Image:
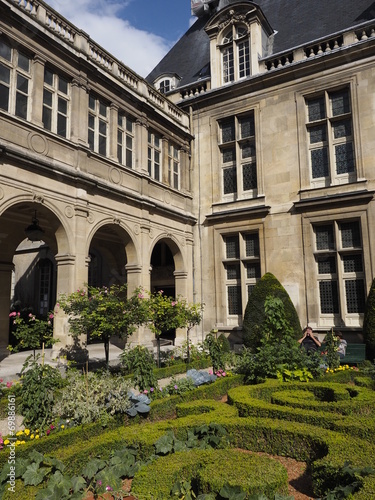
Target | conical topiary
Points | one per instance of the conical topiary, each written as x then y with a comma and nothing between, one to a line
268,285
369,323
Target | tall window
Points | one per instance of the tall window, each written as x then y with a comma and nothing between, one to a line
330,136
154,155
15,80
125,140
173,166
340,272
242,269
56,103
238,155
97,125
235,50
45,285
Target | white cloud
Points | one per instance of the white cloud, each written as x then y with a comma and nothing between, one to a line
137,49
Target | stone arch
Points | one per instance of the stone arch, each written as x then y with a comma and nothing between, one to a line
20,256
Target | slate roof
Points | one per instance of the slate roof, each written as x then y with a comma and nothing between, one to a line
296,22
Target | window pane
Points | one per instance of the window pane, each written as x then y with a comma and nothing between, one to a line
252,245
22,84
243,59
91,122
355,296
230,180
102,145
102,127
4,97
48,76
319,163
316,109
129,125
324,237
350,235
4,74
47,118
247,150
233,272
342,128
318,134
340,102
23,62
47,97
228,65
62,106
352,263
21,105
252,271
344,158
63,85
92,102
61,125
90,139
232,247
229,155
128,162
5,51
102,109
234,300
329,303
327,265
249,172
227,131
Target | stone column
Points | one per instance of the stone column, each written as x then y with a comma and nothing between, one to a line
181,291
141,141
6,269
37,91
165,163
184,169
79,114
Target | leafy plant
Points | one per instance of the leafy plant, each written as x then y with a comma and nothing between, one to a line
92,397
299,375
39,381
103,312
216,350
139,404
31,332
139,361
369,323
255,312
348,480
331,343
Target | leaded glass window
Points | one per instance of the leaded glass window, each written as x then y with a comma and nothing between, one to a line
331,140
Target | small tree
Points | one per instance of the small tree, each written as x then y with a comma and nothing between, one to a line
332,342
369,323
254,316
166,313
31,332
104,312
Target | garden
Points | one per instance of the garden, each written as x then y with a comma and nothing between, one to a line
221,426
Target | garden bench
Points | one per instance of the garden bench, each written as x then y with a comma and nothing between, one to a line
355,353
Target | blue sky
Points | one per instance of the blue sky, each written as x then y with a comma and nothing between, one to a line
138,32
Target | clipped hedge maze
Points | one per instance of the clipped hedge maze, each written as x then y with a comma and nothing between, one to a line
325,424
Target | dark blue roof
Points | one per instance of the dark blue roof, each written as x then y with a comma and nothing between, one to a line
296,22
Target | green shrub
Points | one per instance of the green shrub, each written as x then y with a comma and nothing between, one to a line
369,323
254,316
139,361
92,397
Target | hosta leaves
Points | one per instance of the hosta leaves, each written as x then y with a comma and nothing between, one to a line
35,475
164,445
142,408
93,467
232,492
78,483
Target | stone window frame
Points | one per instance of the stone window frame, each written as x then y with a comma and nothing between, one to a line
18,97
125,139
235,53
58,96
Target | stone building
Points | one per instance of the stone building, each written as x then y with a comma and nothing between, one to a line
248,149
281,99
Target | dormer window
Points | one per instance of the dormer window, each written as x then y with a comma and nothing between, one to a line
165,86
235,50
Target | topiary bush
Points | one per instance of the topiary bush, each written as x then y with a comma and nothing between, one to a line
369,323
254,316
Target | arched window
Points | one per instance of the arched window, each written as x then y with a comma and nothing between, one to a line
235,50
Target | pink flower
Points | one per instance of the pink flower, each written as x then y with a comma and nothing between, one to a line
48,432
145,391
1,380
30,315
210,372
173,303
224,374
99,483
12,314
108,488
51,427
9,384
50,316
140,296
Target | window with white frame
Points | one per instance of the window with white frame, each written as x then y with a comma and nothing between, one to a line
154,155
97,125
173,166
242,269
56,103
125,140
235,53
330,137
165,85
45,285
15,80
340,269
238,155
